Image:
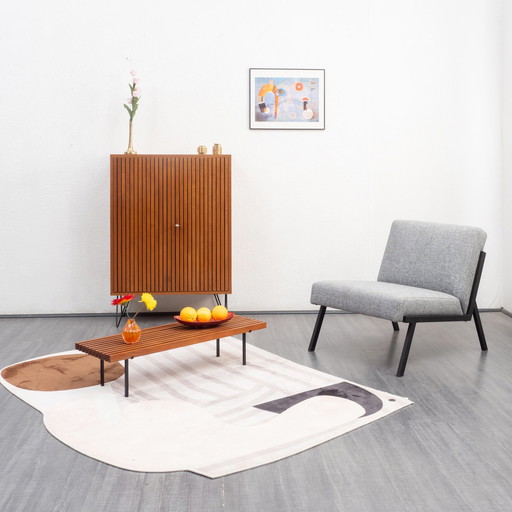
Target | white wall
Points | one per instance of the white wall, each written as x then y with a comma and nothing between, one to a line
507,154
413,113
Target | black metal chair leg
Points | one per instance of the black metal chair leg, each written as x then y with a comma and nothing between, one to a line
479,328
395,326
405,350
316,330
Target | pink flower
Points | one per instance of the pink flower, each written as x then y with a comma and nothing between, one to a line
133,72
129,100
135,80
136,92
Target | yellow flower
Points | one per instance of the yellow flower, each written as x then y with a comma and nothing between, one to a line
149,300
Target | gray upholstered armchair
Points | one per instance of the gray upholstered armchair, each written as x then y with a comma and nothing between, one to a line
429,273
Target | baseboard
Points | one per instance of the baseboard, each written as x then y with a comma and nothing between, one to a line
244,313
56,315
170,313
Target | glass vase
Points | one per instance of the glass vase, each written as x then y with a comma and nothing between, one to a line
130,150
131,332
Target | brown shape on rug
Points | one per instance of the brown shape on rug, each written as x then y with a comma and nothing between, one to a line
58,373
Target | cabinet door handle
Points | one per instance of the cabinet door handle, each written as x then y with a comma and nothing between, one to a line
176,225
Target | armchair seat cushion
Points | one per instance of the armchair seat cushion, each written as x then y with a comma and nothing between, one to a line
384,300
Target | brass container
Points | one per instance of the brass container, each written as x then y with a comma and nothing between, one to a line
217,149
202,150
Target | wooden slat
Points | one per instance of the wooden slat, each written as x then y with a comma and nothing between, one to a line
192,222
114,238
209,226
220,224
150,241
129,228
188,228
180,200
215,233
165,337
202,201
227,226
139,207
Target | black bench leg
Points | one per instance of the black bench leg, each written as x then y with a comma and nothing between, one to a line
395,326
102,372
316,330
126,381
405,350
479,328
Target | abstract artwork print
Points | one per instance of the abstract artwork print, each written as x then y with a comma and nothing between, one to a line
287,99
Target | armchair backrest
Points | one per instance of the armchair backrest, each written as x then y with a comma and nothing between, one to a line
441,257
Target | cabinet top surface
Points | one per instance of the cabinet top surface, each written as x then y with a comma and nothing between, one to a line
175,155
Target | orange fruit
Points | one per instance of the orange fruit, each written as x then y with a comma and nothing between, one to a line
204,315
219,313
188,314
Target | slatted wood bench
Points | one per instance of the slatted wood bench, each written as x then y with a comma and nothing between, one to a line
164,337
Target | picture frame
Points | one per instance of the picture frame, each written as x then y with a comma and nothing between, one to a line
286,99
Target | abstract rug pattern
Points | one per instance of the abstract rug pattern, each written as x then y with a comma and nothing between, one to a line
57,373
189,410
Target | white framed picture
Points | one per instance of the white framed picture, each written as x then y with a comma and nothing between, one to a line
286,99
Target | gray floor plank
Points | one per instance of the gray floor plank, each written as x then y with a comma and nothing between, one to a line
450,451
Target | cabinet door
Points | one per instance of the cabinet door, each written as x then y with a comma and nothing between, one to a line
202,225
140,212
170,224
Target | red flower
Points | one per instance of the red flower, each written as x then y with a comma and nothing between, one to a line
123,299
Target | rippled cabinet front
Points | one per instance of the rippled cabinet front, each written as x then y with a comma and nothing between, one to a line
170,224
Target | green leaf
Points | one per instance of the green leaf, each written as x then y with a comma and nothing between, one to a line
129,111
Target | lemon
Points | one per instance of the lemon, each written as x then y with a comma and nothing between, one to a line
204,315
219,313
188,314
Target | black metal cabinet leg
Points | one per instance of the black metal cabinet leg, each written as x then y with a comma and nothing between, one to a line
120,312
126,378
218,302
395,326
405,350
218,348
244,349
479,329
316,330
102,372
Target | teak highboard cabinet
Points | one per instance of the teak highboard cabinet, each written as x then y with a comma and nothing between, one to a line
170,224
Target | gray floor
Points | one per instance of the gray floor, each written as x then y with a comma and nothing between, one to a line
451,451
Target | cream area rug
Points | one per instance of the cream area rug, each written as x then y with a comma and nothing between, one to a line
191,411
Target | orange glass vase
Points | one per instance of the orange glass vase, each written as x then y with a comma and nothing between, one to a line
131,332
